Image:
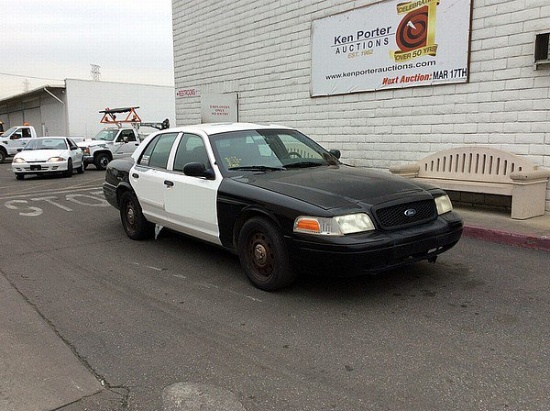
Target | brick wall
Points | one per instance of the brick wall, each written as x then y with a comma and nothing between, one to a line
261,51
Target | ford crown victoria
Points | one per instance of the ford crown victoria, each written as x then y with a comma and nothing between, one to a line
280,201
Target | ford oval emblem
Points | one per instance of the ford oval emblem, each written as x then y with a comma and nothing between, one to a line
410,212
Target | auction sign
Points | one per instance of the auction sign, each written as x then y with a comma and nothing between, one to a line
391,44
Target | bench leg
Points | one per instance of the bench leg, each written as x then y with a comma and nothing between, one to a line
528,200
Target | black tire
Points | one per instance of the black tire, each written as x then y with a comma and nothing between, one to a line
80,170
101,161
134,222
263,255
85,166
19,176
69,171
3,155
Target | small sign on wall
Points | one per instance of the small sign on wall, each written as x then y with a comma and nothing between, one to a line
187,92
219,108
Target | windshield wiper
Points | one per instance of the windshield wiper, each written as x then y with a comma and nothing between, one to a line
259,168
304,164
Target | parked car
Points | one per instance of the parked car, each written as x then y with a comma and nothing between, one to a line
280,201
14,139
109,143
48,155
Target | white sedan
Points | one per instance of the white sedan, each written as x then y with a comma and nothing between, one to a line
48,155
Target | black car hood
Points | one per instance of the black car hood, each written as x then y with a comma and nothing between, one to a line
338,186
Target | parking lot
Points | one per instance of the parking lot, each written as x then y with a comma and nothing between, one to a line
470,332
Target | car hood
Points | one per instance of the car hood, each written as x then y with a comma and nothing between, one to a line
89,143
339,186
40,155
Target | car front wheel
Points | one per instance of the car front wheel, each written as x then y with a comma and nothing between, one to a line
264,256
134,222
69,171
101,161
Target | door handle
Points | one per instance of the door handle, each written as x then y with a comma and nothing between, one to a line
135,175
168,183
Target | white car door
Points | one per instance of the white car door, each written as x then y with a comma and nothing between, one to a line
75,153
147,176
191,202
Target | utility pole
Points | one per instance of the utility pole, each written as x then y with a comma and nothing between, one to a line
96,75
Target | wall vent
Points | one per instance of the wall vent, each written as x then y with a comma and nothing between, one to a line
542,51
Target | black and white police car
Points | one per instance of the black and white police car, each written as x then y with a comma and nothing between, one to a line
280,201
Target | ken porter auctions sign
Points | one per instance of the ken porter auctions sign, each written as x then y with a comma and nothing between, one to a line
392,44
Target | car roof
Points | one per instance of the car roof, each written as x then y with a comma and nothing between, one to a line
215,128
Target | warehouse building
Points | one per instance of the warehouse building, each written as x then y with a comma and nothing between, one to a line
72,109
386,82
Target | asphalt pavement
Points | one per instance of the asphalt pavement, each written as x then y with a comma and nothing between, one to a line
39,371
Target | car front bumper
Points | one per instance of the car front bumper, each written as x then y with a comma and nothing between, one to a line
375,252
88,159
39,168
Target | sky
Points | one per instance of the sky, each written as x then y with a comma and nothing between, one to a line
46,42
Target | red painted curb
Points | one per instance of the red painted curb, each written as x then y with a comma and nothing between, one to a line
508,238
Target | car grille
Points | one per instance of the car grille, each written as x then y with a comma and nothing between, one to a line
407,214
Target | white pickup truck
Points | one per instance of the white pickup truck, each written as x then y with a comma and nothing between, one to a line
14,139
108,144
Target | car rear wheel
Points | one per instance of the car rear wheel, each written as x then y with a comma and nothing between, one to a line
134,222
80,170
3,156
264,256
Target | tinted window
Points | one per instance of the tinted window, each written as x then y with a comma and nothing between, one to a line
157,152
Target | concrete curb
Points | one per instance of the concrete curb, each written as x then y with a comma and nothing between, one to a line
508,238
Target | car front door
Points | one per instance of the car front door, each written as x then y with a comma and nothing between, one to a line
147,176
191,202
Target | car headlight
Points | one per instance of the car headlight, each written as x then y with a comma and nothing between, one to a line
55,159
18,160
443,204
340,225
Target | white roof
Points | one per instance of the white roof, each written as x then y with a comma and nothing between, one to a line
214,128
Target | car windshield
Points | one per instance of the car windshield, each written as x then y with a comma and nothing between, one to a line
106,135
46,144
9,131
268,149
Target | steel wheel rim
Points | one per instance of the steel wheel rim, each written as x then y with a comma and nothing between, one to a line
130,216
260,254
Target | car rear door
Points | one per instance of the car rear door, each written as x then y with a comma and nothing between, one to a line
147,176
191,202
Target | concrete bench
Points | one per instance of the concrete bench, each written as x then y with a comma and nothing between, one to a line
485,170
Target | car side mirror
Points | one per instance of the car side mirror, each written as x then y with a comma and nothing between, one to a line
335,153
196,169
125,139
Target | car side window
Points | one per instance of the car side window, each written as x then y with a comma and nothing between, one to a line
72,144
127,133
191,149
157,152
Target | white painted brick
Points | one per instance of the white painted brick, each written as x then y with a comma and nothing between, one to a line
262,52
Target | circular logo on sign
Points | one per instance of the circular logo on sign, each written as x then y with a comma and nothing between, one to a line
412,32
